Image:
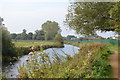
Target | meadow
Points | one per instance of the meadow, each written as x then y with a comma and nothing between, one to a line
29,43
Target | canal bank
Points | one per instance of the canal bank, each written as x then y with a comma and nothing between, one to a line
12,71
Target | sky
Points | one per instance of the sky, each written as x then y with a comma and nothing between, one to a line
31,14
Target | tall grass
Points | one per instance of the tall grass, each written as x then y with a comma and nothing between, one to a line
90,62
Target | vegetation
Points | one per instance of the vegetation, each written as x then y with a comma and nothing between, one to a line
48,32
28,43
51,29
24,47
38,35
90,62
8,48
59,38
88,17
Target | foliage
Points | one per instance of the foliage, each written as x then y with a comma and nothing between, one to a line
24,35
8,48
115,13
13,36
90,62
30,36
51,29
87,18
58,38
38,35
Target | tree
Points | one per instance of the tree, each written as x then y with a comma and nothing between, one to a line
8,48
51,29
58,38
39,35
89,17
1,20
24,35
115,14
18,37
13,36
30,36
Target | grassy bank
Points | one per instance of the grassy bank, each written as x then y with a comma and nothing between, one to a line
24,47
90,62
111,47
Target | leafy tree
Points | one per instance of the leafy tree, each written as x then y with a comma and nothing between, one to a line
30,36
115,14
51,29
18,37
89,17
24,35
58,38
1,20
13,36
39,35
8,48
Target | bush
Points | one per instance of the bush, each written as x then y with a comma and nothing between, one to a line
8,48
58,38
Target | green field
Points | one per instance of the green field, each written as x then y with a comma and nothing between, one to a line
34,43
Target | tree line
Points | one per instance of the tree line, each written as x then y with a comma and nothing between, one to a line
48,32
38,35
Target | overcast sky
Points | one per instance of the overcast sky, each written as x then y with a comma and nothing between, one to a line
31,14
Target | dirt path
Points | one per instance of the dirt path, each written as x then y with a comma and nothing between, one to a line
114,63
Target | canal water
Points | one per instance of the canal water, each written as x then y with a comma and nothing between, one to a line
12,71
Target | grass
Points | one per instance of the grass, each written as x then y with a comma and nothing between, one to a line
26,46
111,47
33,43
90,62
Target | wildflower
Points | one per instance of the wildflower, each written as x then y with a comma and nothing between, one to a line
31,53
89,54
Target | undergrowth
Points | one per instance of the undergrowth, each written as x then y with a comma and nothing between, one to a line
90,62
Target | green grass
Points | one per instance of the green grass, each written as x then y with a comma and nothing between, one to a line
33,43
113,47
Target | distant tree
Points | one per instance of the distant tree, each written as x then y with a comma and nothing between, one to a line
18,37
39,35
24,35
29,36
88,17
58,38
51,29
13,36
1,20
